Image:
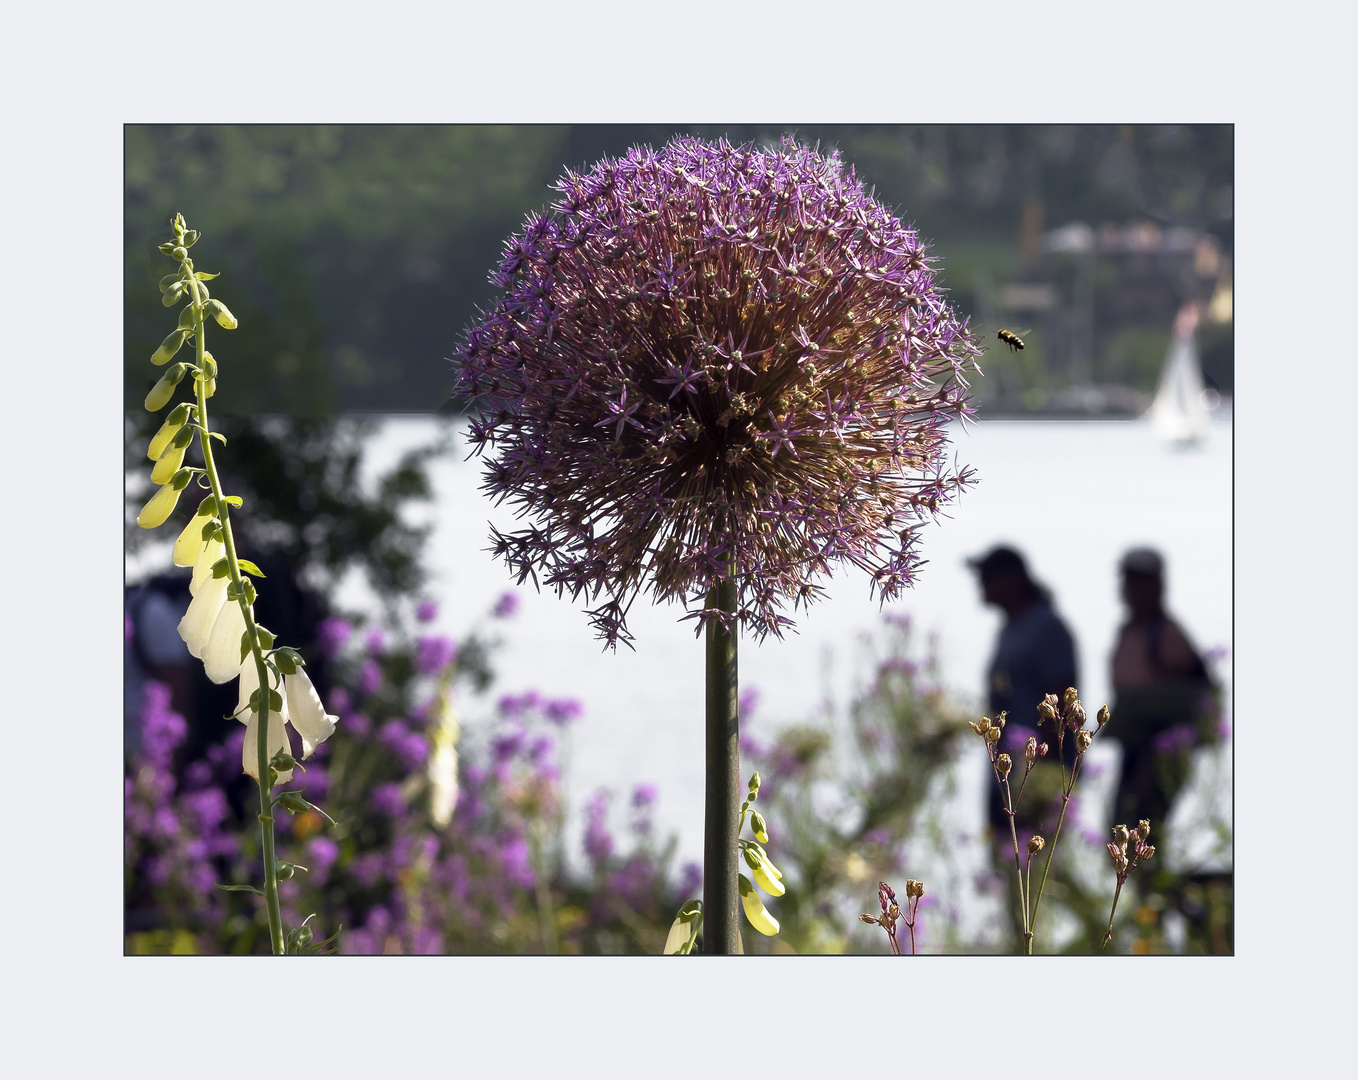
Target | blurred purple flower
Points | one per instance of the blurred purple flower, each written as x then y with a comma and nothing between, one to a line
370,677
540,749
506,606
514,859
128,630
369,869
358,725
561,711
507,746
161,730
644,796
333,635
434,653
427,611
598,840
749,701
691,879
386,799
322,853
375,642
725,319
515,705
1175,739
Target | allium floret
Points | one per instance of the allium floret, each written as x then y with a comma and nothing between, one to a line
711,362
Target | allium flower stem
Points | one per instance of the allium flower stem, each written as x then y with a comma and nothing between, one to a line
229,544
721,902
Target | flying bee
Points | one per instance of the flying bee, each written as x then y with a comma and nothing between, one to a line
1011,339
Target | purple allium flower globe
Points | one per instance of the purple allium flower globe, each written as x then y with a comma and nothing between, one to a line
716,362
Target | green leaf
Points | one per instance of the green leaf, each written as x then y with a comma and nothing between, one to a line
230,500
237,888
250,568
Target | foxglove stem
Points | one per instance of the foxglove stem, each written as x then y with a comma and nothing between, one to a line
721,905
266,823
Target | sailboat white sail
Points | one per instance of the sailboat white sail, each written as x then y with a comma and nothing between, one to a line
1179,413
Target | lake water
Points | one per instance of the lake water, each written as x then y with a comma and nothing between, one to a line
1073,496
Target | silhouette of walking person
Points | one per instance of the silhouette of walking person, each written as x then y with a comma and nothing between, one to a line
1164,697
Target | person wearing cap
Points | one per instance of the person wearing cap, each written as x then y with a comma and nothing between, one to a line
1164,700
1034,656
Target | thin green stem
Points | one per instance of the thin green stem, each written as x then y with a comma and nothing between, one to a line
1065,802
1018,865
1108,934
266,822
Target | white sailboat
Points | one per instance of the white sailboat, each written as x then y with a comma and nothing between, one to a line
1179,412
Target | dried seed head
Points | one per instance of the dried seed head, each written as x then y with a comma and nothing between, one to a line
1047,708
1121,836
1042,750
871,920
1030,748
981,726
1035,844
1143,829
1083,740
1147,851
1003,764
993,735
914,888
1072,698
1104,716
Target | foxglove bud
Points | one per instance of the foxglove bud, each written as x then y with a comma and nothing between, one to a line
163,390
219,311
162,503
173,294
169,347
286,871
759,918
179,416
754,784
169,463
759,827
190,541
299,938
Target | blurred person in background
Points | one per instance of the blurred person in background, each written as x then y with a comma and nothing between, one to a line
1034,656
1165,701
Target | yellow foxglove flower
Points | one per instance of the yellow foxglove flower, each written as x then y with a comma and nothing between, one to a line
221,654
190,543
208,556
168,464
196,625
306,712
179,416
760,919
759,864
160,506
278,740
681,931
